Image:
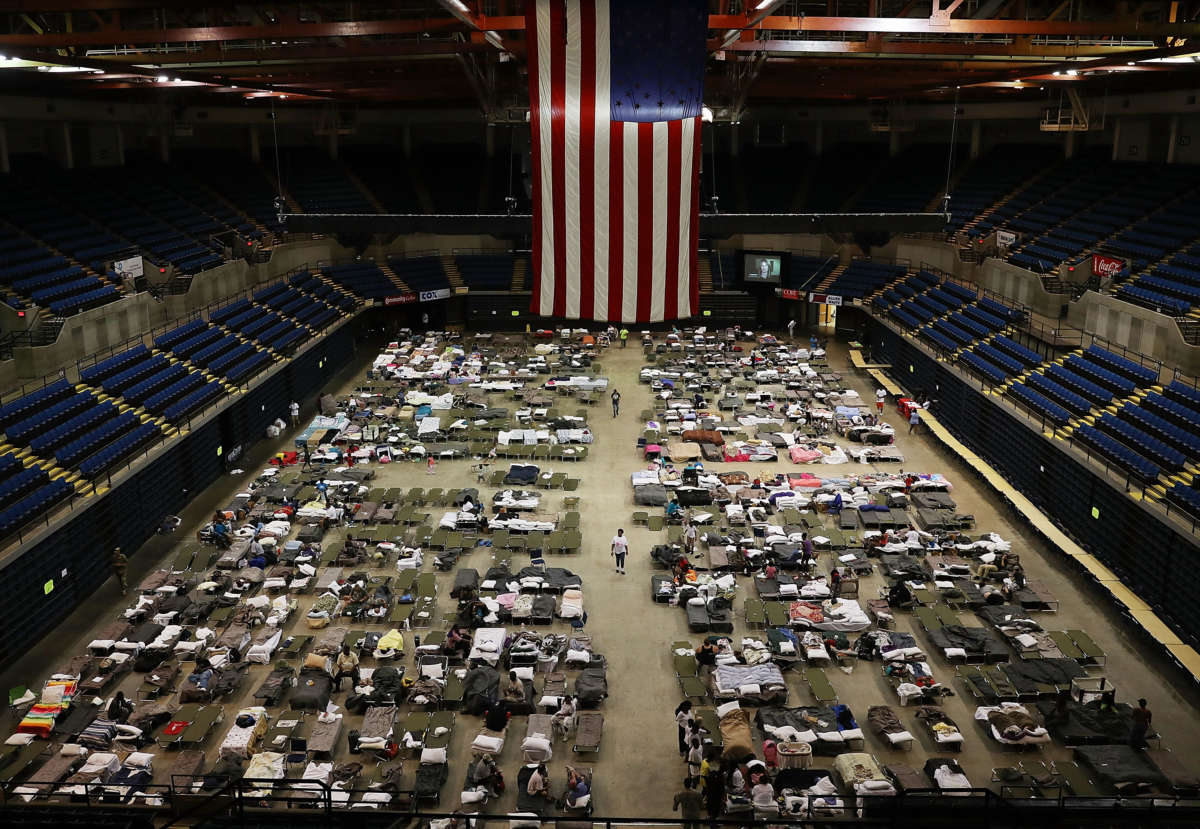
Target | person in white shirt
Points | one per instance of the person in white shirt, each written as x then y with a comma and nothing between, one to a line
294,409
689,538
763,795
880,397
620,546
791,326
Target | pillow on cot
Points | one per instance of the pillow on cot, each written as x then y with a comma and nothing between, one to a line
436,756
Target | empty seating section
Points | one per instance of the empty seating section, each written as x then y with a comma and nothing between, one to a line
91,416
237,180
363,278
321,185
192,402
390,182
26,405
119,449
1186,497
1184,440
989,371
1075,403
178,335
1141,375
15,485
907,182
1117,452
296,304
1079,385
804,272
1041,404
840,171
195,342
209,353
310,284
1139,211
1100,375
453,175
157,403
421,273
991,177
486,272
997,357
939,339
1146,445
1026,356
34,504
107,368
144,388
862,277
777,174
138,371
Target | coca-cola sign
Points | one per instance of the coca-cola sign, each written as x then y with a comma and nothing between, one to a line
1106,265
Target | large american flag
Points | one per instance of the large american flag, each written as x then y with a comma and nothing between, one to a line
615,90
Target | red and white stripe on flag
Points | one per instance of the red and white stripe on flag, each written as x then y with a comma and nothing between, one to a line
615,204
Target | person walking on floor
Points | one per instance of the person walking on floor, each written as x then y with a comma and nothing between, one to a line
294,410
914,419
791,327
616,401
119,565
620,546
880,399
430,466
1141,717
624,337
689,803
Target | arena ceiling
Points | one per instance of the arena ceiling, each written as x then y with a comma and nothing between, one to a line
471,53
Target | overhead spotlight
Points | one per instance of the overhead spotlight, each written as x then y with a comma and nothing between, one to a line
1071,73
233,87
706,115
1057,73
460,5
161,79
175,80
283,97
1129,63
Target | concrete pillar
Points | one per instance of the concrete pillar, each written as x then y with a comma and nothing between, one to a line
332,145
164,144
1069,146
1116,153
119,144
976,138
819,138
1172,138
489,140
5,168
255,144
67,151
893,143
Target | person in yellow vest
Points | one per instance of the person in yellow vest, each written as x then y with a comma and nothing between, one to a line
624,337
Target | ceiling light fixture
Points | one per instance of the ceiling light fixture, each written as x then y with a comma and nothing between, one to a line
460,5
1130,63
161,79
1057,73
706,115
174,80
1071,73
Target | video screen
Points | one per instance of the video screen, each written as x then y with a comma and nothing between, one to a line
763,268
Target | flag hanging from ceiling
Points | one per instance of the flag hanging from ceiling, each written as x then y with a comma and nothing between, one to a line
615,89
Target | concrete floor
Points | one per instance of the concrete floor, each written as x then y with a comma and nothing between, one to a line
635,634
